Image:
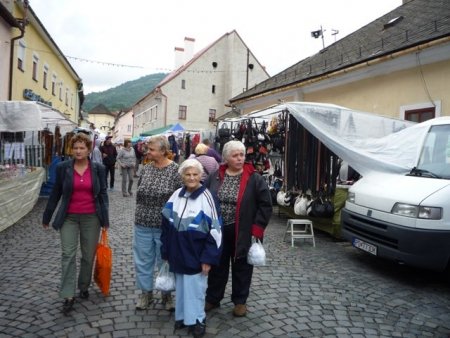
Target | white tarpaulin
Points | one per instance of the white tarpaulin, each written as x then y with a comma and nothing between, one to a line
17,116
366,141
18,196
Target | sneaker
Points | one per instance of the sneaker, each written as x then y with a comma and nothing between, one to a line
68,305
199,329
167,301
210,306
144,300
84,294
240,310
126,195
130,193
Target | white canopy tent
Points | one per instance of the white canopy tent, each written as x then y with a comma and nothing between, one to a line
18,116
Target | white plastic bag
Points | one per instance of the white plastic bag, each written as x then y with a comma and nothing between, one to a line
165,280
300,206
256,255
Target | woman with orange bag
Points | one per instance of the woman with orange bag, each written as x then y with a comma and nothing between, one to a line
81,186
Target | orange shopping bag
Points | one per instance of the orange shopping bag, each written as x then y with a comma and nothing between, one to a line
103,263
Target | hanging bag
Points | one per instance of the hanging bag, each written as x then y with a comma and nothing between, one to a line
103,263
165,280
256,255
300,206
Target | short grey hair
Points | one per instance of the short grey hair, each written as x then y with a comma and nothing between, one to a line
161,142
232,146
190,163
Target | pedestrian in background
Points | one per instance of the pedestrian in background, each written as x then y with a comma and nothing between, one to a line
212,152
157,182
139,152
209,164
109,154
127,161
80,187
96,155
246,208
191,242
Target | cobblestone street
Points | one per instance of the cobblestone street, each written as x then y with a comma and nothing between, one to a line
332,290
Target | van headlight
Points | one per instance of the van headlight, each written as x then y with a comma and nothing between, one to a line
415,211
351,197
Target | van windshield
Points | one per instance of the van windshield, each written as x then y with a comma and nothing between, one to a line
435,155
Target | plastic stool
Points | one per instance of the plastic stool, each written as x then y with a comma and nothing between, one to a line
303,230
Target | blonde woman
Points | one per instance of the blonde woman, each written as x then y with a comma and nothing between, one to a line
158,180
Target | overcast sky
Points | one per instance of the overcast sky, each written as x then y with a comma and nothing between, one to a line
116,41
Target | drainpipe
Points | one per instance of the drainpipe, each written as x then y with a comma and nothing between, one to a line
165,108
23,23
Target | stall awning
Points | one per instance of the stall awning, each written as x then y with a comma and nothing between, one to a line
17,116
167,129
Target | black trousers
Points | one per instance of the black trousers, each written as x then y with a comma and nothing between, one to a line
111,171
241,273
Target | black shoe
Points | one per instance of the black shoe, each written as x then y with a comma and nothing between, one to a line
210,306
68,305
179,324
84,294
199,329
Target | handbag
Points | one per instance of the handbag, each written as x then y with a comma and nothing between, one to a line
301,204
165,280
103,263
321,208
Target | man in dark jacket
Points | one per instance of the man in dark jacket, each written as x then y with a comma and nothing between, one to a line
109,154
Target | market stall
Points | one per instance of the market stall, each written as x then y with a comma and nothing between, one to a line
301,147
31,134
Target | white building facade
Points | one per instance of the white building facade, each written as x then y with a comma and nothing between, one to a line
198,91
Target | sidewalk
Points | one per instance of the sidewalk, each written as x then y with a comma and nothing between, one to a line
332,290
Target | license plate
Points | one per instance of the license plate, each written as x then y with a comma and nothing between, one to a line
367,247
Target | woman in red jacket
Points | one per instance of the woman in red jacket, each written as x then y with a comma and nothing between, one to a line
246,208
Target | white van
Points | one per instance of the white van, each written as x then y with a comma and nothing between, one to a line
406,218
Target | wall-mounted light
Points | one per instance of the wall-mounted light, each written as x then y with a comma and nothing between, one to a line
250,66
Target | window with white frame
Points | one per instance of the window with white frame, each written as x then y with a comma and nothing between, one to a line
182,112
61,90
54,84
421,112
45,77
35,67
21,55
212,115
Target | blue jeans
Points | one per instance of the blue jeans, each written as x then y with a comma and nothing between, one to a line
147,255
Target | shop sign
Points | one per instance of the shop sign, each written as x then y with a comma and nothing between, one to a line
30,95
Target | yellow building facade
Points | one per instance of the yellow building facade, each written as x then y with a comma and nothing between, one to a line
40,71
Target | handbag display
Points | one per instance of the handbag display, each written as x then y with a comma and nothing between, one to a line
103,263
